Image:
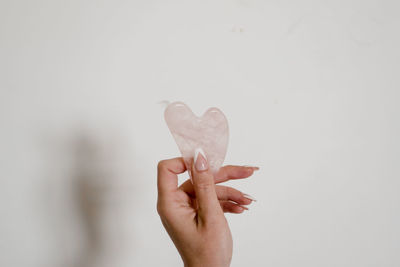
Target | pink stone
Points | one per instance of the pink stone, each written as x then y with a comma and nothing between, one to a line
209,132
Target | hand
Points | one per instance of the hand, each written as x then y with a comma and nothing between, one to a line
193,213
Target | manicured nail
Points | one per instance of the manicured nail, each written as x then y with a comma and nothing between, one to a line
244,207
249,197
253,167
200,160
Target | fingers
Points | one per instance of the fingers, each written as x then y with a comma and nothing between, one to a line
204,188
167,175
234,197
210,197
230,207
225,193
231,172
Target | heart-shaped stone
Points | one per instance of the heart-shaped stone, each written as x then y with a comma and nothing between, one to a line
209,132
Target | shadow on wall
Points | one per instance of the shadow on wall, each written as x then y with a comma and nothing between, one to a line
90,206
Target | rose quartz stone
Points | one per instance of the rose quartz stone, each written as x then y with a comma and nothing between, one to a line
209,132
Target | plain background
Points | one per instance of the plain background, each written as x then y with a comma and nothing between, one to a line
310,89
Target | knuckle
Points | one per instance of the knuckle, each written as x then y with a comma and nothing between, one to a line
205,185
161,165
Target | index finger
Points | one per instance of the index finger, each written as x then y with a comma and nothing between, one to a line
167,174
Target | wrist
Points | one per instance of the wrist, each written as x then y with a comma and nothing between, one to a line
204,264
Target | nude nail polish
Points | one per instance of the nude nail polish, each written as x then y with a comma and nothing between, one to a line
249,197
200,160
253,167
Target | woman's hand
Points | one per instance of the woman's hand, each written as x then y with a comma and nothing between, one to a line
193,213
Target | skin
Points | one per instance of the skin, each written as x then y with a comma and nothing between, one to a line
193,213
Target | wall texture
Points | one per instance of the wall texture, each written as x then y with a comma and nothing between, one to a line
310,89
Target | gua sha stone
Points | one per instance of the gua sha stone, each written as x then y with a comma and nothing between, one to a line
209,132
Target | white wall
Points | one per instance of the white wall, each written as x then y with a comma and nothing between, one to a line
310,89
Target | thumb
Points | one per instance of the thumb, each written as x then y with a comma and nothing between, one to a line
204,187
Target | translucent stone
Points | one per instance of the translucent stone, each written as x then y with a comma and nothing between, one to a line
209,132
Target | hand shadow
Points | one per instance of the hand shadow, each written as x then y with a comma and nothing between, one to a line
90,208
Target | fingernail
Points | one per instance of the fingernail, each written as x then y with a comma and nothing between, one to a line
249,197
253,167
244,207
200,160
